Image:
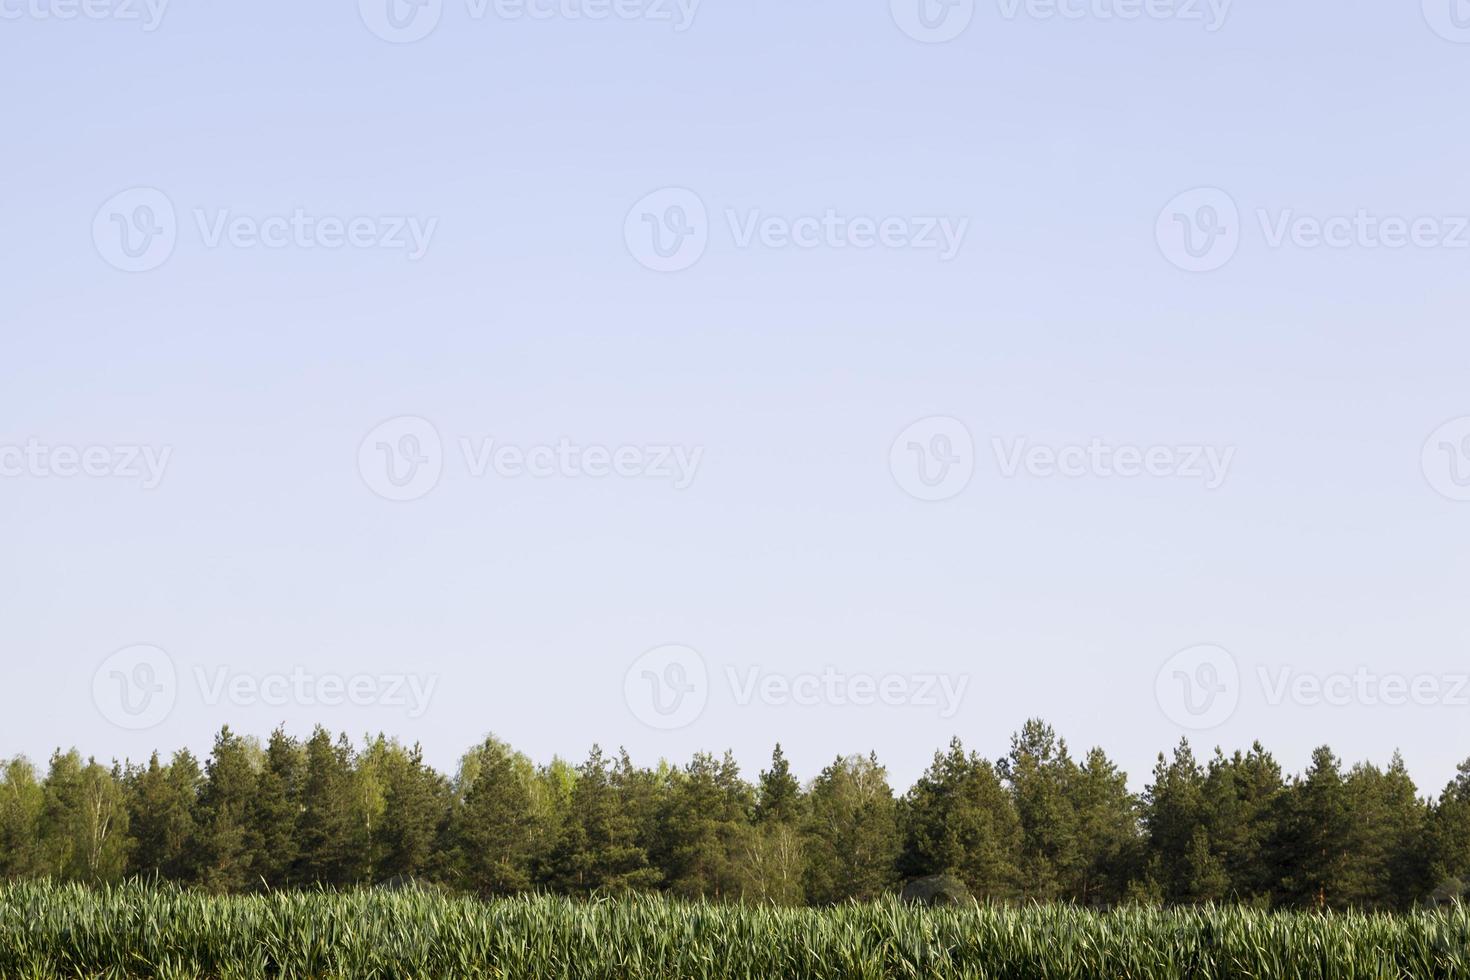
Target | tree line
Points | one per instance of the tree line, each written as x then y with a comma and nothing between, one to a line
1036,824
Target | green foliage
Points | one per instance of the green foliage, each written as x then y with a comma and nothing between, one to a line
959,820
84,820
161,806
494,827
223,852
22,801
275,811
1035,826
602,846
852,832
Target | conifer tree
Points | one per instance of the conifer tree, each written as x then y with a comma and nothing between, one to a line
412,836
852,836
162,801
707,811
778,796
1172,811
1108,842
1448,852
223,834
275,809
1038,771
599,849
958,819
1316,837
494,831
330,844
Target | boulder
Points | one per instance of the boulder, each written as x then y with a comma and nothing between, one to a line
936,890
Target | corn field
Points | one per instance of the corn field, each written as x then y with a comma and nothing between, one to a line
52,931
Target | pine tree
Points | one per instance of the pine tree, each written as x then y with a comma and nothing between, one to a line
274,811
1448,853
551,809
1038,772
1388,870
161,805
958,819
223,845
703,831
494,829
1239,801
410,837
778,796
1108,842
1205,877
1316,837
330,848
851,836
599,849
1172,810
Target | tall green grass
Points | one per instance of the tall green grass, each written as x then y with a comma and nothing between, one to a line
52,931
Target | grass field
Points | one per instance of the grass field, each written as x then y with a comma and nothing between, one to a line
54,931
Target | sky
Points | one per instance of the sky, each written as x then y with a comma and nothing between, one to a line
697,376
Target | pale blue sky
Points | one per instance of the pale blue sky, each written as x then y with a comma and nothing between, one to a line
528,321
